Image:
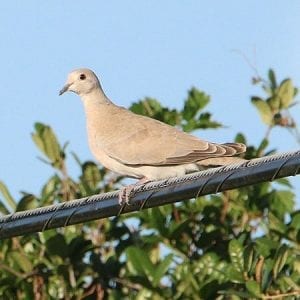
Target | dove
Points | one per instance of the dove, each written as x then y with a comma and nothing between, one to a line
140,147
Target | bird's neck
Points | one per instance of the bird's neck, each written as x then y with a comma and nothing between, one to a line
95,97
97,110
97,107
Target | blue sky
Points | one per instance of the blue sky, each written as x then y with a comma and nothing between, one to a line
138,48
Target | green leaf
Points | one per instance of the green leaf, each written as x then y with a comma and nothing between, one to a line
236,255
46,235
49,190
139,263
263,109
52,148
240,138
22,261
39,142
161,269
147,107
39,127
51,185
37,137
177,229
195,102
263,145
274,103
56,245
249,258
296,90
202,122
28,201
3,209
264,246
46,141
272,78
280,260
158,221
76,158
254,288
266,280
276,224
7,196
208,263
285,182
233,275
152,108
286,93
296,221
290,283
171,117
239,295
77,248
91,174
282,202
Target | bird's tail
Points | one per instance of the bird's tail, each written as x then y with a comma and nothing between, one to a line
238,147
226,158
220,161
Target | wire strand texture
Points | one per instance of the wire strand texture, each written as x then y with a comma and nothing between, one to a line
152,194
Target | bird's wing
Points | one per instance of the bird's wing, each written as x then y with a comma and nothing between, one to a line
138,140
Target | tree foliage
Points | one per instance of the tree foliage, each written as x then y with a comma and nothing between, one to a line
240,244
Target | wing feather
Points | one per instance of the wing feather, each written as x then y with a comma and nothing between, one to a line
139,140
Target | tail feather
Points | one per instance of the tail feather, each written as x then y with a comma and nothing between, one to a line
238,147
220,161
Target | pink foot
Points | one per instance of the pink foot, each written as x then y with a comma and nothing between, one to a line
126,191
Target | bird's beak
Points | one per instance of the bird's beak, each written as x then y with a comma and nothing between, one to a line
64,89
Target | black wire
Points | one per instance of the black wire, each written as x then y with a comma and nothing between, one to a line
152,194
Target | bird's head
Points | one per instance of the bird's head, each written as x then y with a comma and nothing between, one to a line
81,82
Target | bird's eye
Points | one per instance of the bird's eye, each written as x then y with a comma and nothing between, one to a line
82,76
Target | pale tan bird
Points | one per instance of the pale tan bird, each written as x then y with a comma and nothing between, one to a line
140,147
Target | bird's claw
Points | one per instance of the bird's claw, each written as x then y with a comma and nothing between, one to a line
125,193
128,191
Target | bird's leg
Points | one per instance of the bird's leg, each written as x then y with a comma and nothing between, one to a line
126,191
